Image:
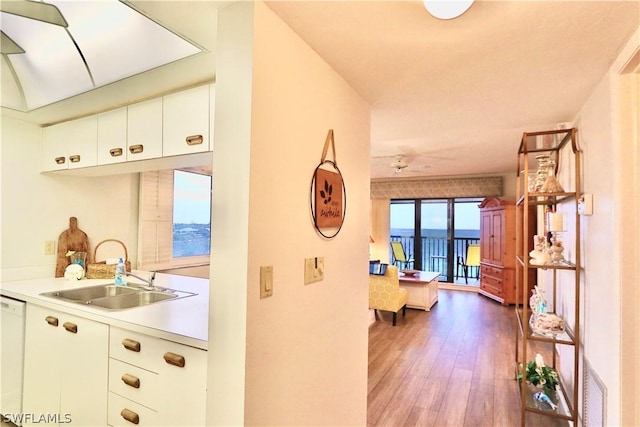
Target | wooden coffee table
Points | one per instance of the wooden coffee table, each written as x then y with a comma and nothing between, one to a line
422,287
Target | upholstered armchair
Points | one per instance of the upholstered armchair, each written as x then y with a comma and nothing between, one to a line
386,294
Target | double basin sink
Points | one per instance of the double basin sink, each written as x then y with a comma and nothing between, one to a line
115,297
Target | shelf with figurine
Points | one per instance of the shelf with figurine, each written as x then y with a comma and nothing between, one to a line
544,392
548,324
543,325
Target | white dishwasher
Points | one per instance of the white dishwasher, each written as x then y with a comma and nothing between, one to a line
12,356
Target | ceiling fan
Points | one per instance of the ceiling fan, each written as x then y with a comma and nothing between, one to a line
399,164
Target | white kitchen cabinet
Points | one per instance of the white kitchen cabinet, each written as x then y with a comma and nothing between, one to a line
66,368
156,381
185,122
83,142
144,130
70,145
55,148
112,136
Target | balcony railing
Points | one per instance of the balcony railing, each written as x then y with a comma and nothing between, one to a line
435,254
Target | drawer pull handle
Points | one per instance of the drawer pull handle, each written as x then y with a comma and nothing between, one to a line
53,321
136,149
71,327
130,416
174,359
194,140
60,160
115,152
132,345
75,158
131,381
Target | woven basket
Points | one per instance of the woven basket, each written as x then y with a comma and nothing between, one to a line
102,270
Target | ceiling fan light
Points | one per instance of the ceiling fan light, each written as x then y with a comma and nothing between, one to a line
447,9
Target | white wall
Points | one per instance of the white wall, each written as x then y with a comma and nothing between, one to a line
305,354
36,207
601,240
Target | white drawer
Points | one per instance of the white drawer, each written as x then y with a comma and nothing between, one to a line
136,349
143,415
134,383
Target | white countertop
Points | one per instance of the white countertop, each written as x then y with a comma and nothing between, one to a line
184,320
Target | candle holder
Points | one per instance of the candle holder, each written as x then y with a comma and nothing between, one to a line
556,248
556,227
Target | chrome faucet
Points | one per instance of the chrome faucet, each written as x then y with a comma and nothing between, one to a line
148,281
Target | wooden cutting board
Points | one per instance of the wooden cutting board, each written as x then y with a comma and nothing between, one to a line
72,239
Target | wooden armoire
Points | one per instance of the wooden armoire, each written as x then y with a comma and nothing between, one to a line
498,249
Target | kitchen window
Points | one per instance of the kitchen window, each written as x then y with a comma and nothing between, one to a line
175,219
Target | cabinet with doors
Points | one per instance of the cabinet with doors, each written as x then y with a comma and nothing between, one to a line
497,249
178,124
540,156
155,382
185,121
112,136
65,368
70,145
144,130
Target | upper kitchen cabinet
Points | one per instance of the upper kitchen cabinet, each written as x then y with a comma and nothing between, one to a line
112,136
55,148
144,130
185,122
70,145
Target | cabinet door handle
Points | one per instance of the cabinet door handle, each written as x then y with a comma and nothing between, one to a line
174,359
130,416
71,327
60,160
75,158
115,152
131,381
53,321
132,345
136,149
194,139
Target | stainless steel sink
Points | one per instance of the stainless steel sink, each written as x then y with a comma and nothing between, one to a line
122,301
113,297
91,292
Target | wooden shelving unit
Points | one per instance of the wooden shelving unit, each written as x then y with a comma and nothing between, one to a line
552,143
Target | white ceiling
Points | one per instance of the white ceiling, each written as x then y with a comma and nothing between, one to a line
454,96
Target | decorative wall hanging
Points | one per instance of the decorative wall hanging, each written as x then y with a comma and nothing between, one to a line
328,197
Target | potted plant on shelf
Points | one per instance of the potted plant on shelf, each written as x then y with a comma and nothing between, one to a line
542,376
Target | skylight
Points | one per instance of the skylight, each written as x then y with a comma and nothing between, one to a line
44,61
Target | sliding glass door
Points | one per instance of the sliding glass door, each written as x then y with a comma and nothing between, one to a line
437,232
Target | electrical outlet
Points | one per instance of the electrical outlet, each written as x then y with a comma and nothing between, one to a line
50,247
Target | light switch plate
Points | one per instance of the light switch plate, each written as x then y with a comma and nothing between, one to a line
313,269
266,281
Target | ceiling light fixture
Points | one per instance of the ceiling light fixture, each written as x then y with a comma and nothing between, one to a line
447,9
55,50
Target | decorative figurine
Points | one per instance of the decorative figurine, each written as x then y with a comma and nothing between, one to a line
541,397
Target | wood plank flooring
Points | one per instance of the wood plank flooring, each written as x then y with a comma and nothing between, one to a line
452,366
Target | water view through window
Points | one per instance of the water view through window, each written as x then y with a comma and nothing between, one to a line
191,214
436,232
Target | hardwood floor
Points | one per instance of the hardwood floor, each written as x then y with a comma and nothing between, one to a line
452,366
